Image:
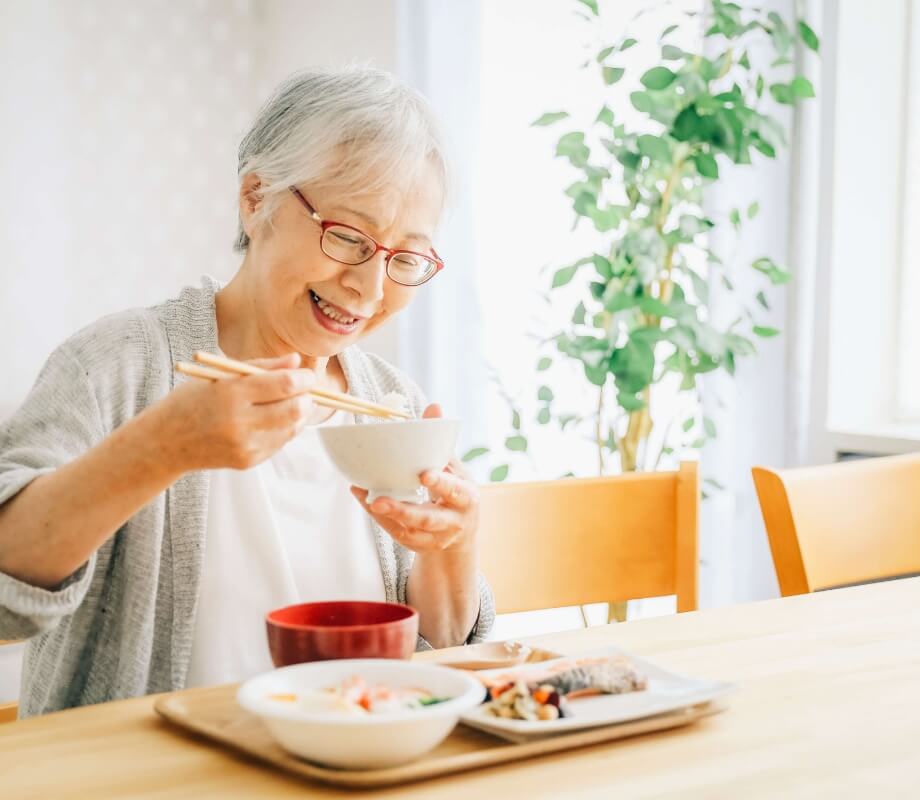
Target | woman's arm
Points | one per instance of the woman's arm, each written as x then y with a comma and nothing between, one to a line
50,528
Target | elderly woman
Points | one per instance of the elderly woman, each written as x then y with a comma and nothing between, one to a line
147,522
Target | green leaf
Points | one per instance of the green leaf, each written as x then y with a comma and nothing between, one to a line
706,165
605,115
596,375
668,31
544,363
809,37
606,219
642,101
687,424
740,345
603,266
476,452
767,149
766,333
592,6
658,78
633,366
753,208
604,53
627,44
516,420
762,299
700,287
782,93
654,147
566,419
774,272
758,86
564,275
710,427
578,317
549,118
671,53
630,402
572,146
517,444
545,394
734,217
696,444
499,473
612,74
801,87
543,416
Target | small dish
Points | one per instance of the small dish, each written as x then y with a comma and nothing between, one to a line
366,741
666,692
341,629
486,656
387,458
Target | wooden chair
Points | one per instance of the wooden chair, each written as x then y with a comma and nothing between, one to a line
552,544
842,524
8,711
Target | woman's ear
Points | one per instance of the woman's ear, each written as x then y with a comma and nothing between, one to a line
250,202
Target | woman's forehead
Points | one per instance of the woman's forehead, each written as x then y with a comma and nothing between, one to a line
415,208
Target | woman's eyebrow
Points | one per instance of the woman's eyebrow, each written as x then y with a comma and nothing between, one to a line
373,223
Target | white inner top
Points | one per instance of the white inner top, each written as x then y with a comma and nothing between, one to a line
286,531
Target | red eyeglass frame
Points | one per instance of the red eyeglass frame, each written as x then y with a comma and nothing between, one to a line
328,223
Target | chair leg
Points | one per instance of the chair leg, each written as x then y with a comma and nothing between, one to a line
8,712
616,612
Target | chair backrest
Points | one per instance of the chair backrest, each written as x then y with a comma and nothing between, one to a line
844,523
8,711
552,544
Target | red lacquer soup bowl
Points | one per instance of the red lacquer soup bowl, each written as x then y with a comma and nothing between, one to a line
341,629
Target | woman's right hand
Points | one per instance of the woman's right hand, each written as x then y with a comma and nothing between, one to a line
236,422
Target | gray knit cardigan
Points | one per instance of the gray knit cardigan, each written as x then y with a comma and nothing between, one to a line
121,625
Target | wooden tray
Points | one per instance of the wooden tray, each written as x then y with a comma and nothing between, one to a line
214,713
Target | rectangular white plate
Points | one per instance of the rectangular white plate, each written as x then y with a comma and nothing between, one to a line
666,692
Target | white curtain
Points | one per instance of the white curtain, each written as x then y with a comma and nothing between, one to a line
763,414
439,335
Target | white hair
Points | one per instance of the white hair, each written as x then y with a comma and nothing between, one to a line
357,128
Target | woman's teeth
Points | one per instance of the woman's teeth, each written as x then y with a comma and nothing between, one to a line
330,311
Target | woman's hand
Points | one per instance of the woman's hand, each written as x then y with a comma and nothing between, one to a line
443,583
448,522
236,422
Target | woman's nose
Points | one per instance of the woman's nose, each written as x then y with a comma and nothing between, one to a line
367,280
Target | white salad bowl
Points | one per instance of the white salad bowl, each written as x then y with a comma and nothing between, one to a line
360,740
386,458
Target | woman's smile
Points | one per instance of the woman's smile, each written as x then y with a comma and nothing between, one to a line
333,318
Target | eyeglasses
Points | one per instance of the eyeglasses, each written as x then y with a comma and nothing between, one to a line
348,245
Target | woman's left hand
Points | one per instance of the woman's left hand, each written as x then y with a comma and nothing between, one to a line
449,522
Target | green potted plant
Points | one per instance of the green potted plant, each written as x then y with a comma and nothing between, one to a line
642,310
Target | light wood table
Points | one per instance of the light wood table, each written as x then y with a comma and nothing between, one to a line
829,706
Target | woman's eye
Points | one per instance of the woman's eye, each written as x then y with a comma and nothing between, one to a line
346,239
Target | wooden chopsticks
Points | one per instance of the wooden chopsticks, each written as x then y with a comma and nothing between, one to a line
214,368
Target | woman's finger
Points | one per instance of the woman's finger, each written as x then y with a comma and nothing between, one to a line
427,517
416,540
279,384
293,412
451,490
